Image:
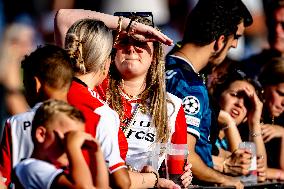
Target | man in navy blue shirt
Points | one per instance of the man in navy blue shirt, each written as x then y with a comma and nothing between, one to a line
212,28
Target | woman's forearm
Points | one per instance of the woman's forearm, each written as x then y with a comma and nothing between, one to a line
66,17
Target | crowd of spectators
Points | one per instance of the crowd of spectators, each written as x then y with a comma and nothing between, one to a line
87,87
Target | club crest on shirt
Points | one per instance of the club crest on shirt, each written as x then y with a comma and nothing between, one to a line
191,105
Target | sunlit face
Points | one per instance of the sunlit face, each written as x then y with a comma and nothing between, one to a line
278,40
234,100
274,99
55,131
231,42
133,58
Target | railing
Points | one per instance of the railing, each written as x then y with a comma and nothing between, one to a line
264,185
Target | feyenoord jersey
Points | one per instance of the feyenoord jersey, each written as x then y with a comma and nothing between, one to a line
141,135
17,142
101,121
33,173
183,82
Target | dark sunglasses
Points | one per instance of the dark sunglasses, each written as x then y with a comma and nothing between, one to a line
135,14
126,40
237,36
280,22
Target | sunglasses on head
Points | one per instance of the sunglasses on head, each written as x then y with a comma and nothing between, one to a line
130,15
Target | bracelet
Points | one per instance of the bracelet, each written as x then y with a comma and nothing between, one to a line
226,127
119,24
256,134
130,28
118,29
157,178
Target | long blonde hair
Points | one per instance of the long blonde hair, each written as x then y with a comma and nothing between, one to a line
153,98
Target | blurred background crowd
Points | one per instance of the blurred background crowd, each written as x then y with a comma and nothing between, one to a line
26,24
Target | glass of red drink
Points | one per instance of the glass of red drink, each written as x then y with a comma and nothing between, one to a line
176,159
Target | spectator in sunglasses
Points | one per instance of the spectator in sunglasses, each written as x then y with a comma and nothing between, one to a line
212,28
136,82
137,92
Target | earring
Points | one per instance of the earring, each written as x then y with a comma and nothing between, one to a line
214,53
104,70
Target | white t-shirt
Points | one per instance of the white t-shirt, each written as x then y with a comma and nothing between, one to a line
34,174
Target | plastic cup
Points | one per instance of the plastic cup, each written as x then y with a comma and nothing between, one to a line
158,155
251,178
176,158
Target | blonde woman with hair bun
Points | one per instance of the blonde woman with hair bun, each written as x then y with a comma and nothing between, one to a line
89,44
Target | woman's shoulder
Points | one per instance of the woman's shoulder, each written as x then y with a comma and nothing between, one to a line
174,104
106,111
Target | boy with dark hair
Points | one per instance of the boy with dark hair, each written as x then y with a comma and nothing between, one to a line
57,131
46,71
47,74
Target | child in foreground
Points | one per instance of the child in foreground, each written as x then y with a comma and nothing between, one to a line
59,137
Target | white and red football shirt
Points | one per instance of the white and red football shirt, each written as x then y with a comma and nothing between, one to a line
16,143
141,135
101,121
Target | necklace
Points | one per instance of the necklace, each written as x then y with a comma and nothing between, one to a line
126,128
272,120
183,54
129,96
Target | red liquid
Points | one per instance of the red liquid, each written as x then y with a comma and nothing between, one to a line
175,164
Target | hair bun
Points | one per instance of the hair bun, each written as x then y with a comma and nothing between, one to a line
74,49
